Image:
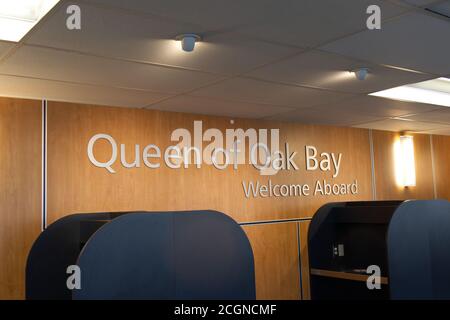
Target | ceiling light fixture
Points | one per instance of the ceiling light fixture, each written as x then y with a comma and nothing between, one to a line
188,41
436,91
361,73
17,18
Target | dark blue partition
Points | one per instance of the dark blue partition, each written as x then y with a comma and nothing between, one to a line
168,255
143,255
217,260
418,250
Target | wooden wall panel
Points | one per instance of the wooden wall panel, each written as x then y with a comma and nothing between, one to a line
441,148
275,249
386,186
20,190
75,185
304,258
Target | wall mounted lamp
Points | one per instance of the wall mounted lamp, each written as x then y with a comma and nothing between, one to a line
405,163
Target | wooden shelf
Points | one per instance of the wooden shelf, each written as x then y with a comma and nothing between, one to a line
344,275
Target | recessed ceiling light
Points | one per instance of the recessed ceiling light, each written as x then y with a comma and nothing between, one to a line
436,91
17,17
188,41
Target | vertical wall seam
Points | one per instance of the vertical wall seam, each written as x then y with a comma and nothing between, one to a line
299,260
372,165
42,163
44,167
433,169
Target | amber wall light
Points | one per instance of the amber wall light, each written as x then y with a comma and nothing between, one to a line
405,166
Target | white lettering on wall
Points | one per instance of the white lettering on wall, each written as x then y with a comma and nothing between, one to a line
189,149
90,150
327,161
321,187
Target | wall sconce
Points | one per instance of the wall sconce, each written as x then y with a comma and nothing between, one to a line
405,165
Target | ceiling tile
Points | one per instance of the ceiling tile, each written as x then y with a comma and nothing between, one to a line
439,116
4,47
200,105
59,91
441,7
254,91
210,14
323,116
414,41
443,132
420,3
331,71
65,66
400,125
152,40
312,22
378,107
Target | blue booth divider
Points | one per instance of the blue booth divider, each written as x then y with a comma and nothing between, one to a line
143,255
418,243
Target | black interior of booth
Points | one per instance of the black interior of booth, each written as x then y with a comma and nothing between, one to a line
407,240
360,228
57,247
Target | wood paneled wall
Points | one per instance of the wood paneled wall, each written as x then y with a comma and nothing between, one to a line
276,253
304,258
20,190
75,185
281,259
441,148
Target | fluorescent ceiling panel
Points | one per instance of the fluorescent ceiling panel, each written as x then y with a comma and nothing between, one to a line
18,17
436,91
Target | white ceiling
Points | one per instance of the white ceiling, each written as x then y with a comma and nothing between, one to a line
221,107
284,60
414,40
329,71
